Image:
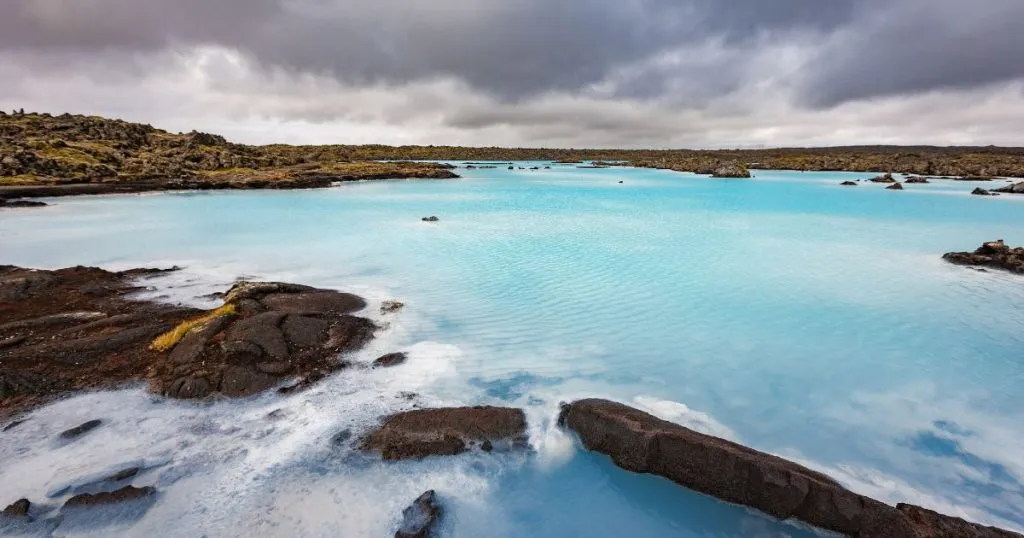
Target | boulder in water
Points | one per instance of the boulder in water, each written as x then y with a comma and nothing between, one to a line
848,184
446,432
994,254
430,219
884,178
895,187
982,192
420,517
389,360
1016,188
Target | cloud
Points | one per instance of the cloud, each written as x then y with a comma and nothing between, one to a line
630,73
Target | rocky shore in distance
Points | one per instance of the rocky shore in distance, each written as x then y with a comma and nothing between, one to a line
77,328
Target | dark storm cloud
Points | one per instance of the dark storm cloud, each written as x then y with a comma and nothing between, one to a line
912,46
511,48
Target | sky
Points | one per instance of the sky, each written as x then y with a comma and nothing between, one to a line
537,73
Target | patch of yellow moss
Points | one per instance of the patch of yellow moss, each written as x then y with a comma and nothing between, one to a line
171,338
67,154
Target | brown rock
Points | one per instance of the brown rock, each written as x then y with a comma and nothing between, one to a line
982,192
642,443
929,524
302,332
445,432
916,179
190,388
127,493
884,178
245,381
389,360
420,517
994,254
18,508
895,187
315,302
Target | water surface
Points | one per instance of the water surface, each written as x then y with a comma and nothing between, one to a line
799,317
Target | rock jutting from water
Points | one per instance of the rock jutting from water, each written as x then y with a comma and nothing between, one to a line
21,203
77,328
642,443
430,219
421,517
982,192
1016,188
389,360
994,254
916,179
849,184
895,187
884,178
731,170
446,432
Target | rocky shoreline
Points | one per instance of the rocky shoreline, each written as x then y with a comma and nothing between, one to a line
77,329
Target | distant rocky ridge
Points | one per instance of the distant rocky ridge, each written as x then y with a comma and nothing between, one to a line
60,155
67,150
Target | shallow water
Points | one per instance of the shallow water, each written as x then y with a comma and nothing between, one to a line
799,317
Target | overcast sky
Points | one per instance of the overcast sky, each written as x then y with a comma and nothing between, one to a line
571,73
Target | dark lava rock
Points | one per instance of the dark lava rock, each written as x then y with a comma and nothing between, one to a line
884,178
929,524
420,517
642,443
993,254
21,203
14,424
430,219
511,167
18,508
731,170
973,178
76,328
390,307
916,179
1016,188
389,360
895,187
341,437
445,432
81,429
982,192
127,493
849,184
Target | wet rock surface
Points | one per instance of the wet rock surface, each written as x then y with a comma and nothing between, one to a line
389,360
390,307
895,187
994,254
81,429
421,517
642,443
930,524
916,179
77,328
430,219
125,494
446,432
849,184
884,178
982,192
731,170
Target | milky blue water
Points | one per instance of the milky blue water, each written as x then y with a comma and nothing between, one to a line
788,313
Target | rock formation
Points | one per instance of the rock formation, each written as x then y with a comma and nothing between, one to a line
994,254
421,517
642,443
446,432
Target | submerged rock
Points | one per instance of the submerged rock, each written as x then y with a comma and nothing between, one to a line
993,254
430,219
446,432
642,443
389,360
390,307
81,429
895,187
125,494
420,517
916,179
1016,188
982,192
21,203
849,184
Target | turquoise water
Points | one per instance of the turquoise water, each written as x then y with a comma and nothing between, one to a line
799,317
